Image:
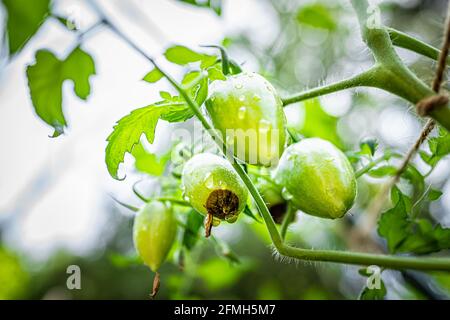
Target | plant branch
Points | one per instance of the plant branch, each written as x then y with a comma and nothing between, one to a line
394,262
376,206
370,165
288,218
362,79
405,41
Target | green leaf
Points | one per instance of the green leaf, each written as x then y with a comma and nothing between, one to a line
45,80
383,171
23,20
190,236
215,72
373,294
439,147
128,130
249,212
415,178
368,147
153,76
215,5
127,133
197,85
406,235
149,163
316,15
182,55
434,195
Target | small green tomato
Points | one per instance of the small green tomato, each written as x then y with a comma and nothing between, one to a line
273,198
154,232
212,187
248,112
317,177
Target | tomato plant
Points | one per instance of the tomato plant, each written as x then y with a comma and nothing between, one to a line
267,154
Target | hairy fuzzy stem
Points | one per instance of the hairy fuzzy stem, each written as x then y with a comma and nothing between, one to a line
405,41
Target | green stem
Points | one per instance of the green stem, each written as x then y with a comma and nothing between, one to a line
408,42
225,59
393,262
288,218
173,200
362,79
370,165
393,76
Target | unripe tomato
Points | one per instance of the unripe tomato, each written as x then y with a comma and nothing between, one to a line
154,232
318,178
212,187
248,112
273,198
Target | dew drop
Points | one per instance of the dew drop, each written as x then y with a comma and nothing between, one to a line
209,181
241,112
238,86
242,98
286,194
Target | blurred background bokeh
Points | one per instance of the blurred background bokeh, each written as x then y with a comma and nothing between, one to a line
55,204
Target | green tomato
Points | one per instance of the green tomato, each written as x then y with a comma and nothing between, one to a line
154,232
317,177
212,187
248,112
273,198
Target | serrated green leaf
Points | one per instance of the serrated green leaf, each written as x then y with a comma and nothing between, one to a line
45,80
149,163
406,235
439,147
317,15
153,76
128,130
24,18
127,133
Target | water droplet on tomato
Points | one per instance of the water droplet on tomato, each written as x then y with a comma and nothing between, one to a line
209,181
242,112
286,194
